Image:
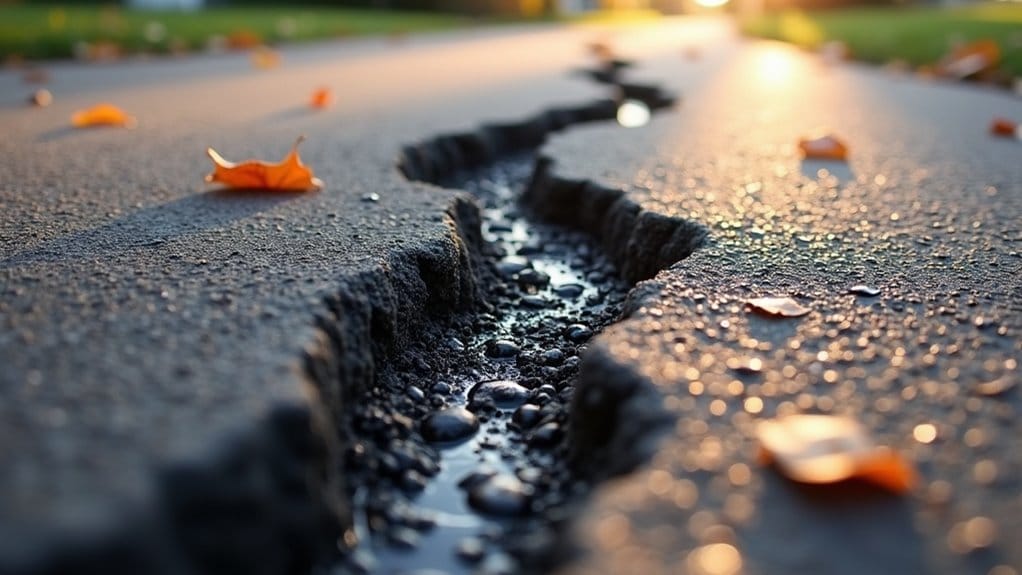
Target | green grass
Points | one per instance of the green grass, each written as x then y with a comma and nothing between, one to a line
52,31
917,35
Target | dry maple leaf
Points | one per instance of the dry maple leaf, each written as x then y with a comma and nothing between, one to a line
777,306
322,98
824,449
827,147
1004,127
288,175
970,59
102,115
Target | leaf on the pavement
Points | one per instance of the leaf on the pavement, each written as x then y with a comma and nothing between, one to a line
322,98
264,58
998,386
825,449
102,115
828,147
41,98
601,50
970,59
243,40
288,175
777,306
1004,127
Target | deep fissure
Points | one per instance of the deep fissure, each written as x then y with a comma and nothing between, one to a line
444,495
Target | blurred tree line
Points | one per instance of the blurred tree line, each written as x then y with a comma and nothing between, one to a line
463,6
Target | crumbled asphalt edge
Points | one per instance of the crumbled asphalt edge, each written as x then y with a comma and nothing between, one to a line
638,242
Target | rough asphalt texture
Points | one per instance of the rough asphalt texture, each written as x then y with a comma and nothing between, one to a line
152,327
928,211
173,356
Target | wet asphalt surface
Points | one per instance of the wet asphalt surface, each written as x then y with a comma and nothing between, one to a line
146,320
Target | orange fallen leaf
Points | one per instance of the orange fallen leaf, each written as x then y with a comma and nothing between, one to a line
243,40
827,147
265,58
970,59
288,175
102,115
777,306
1004,127
322,98
823,449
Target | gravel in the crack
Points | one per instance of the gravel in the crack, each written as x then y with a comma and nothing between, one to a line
448,425
501,393
504,476
502,349
500,495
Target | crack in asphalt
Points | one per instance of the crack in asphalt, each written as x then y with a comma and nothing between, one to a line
552,267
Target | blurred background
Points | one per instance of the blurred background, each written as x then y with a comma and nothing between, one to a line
920,35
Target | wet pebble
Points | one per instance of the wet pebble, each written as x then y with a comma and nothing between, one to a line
569,291
578,333
451,424
500,495
552,357
502,349
471,549
864,290
532,277
512,265
441,388
526,416
533,302
415,393
477,476
545,435
502,393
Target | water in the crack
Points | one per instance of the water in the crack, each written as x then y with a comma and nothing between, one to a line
433,491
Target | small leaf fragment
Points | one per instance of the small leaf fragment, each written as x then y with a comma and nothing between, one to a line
290,174
777,306
970,59
322,98
102,115
1004,127
827,147
825,449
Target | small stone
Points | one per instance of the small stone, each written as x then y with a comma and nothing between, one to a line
545,435
502,349
526,416
415,393
480,474
500,495
403,538
471,550
371,197
864,290
533,278
448,425
533,302
552,357
569,291
503,393
578,333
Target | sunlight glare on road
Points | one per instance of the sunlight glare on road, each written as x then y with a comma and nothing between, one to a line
775,66
632,114
711,3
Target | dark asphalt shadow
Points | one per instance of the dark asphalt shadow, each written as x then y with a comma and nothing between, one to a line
56,134
153,226
821,169
292,113
847,528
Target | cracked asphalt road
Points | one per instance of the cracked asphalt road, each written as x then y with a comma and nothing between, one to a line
145,318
